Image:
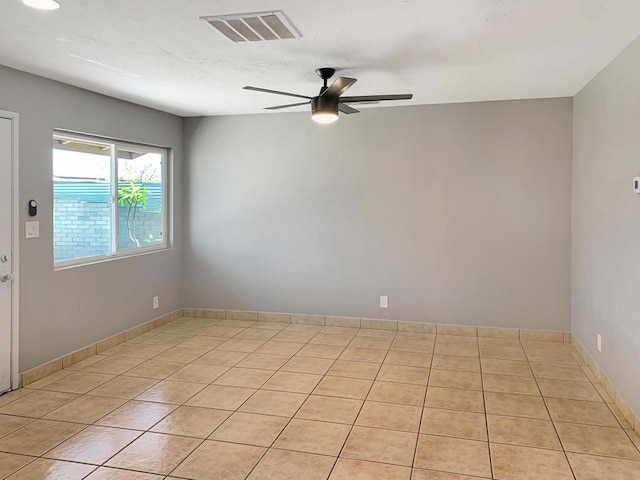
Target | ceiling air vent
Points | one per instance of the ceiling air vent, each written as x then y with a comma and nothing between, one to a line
254,27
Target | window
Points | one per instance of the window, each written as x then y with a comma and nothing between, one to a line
109,199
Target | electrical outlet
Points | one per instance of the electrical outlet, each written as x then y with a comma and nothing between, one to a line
599,343
384,301
155,303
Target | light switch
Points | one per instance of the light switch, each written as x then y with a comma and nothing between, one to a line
32,229
636,184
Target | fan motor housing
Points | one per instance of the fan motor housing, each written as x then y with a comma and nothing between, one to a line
324,105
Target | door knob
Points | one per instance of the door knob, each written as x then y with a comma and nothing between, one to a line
6,278
4,258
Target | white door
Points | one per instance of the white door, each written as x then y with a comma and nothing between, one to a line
6,261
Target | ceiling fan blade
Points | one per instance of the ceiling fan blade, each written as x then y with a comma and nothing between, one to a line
278,107
347,109
338,87
375,98
369,102
276,92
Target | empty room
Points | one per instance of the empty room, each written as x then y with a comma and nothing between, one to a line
339,240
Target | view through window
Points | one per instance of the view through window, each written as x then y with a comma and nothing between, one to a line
97,216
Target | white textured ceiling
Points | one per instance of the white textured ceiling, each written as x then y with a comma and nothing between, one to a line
158,53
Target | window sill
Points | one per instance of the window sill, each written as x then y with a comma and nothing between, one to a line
84,262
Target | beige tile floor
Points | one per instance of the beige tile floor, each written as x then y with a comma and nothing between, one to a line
220,399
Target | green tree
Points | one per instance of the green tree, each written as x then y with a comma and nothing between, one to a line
134,197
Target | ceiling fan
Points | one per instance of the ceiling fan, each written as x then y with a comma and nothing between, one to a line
326,105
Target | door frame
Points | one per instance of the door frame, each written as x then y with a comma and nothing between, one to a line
15,246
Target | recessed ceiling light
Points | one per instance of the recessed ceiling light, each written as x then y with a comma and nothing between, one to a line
42,4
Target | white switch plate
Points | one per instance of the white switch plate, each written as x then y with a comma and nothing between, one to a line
155,302
384,301
636,184
599,343
32,229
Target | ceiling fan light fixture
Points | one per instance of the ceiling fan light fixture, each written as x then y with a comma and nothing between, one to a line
324,110
42,4
324,118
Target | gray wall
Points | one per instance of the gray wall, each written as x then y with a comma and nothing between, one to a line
606,221
460,213
61,311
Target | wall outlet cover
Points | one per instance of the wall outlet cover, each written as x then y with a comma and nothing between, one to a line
384,301
155,303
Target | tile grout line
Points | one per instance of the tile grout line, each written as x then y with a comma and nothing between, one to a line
373,381
564,452
486,416
424,406
33,459
103,464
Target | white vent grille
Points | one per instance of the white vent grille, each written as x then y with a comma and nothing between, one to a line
254,27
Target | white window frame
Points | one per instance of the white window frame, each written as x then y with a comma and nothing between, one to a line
115,145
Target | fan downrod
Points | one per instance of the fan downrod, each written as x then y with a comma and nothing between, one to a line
325,74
